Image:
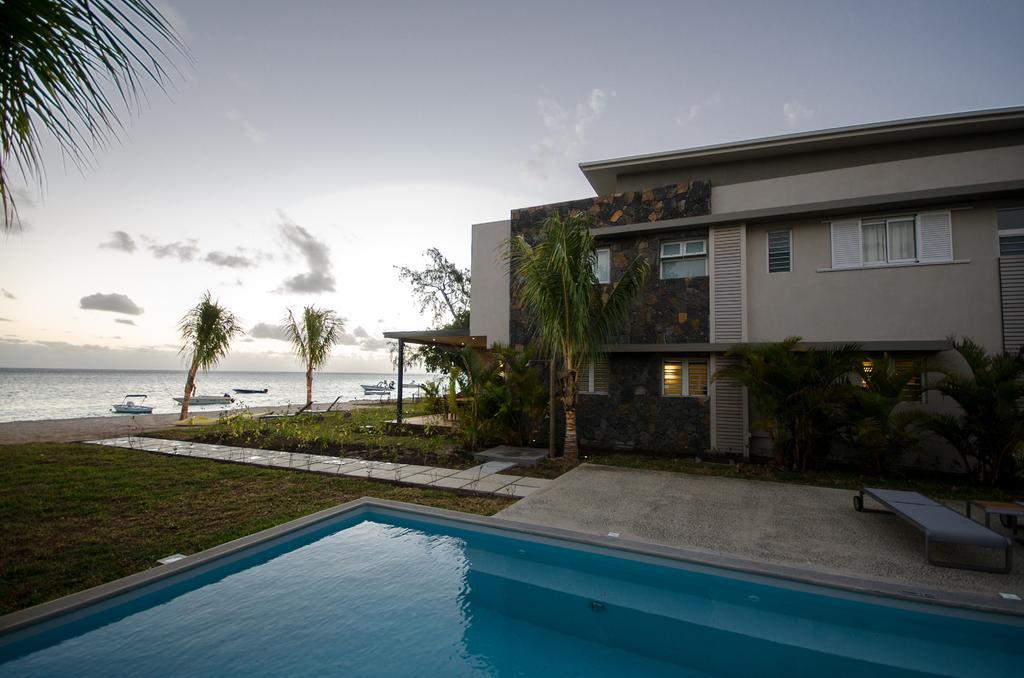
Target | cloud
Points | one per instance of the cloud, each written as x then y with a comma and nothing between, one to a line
317,254
796,112
125,321
564,134
175,19
252,133
694,111
269,331
6,320
363,339
119,240
115,303
229,260
184,251
6,295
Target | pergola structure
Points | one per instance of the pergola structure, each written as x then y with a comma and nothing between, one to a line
451,339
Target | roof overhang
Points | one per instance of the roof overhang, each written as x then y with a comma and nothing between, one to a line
603,174
451,338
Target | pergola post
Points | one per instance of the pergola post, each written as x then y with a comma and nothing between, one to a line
401,376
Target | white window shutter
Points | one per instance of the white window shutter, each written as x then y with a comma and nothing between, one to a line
935,236
846,252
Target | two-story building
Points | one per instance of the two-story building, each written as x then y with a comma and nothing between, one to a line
896,235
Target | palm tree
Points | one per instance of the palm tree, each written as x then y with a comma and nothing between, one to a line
312,341
206,334
559,291
884,425
991,428
63,66
801,396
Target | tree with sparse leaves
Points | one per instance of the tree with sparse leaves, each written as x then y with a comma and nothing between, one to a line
442,290
66,68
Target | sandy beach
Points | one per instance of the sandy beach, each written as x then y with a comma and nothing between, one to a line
89,428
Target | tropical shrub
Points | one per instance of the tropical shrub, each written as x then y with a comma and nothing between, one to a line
883,425
988,432
801,397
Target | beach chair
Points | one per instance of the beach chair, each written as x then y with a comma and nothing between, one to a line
940,524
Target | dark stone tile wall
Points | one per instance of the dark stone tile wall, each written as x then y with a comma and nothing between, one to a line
635,416
667,311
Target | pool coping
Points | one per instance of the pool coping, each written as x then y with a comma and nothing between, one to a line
950,601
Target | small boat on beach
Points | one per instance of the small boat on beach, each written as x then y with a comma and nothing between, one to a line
127,406
198,400
250,390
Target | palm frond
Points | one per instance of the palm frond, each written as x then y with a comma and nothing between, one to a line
63,63
312,339
207,331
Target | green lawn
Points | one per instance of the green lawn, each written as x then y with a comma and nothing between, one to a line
75,516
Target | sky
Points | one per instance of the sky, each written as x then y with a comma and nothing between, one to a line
307,148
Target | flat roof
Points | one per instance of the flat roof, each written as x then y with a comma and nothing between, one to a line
455,337
602,174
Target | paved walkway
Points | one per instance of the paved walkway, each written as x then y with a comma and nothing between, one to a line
485,478
797,525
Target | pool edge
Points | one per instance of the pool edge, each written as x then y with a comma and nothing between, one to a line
948,600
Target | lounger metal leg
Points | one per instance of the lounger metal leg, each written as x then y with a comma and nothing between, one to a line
858,505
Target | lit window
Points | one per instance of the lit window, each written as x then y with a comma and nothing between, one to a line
780,251
593,378
1011,231
684,378
912,392
603,266
684,259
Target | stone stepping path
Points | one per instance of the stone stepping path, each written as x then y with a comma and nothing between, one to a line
486,478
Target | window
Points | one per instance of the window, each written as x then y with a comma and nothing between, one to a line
889,240
684,378
780,245
603,266
594,377
1011,231
910,239
684,259
913,391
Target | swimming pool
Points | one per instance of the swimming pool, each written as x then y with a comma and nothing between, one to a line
376,589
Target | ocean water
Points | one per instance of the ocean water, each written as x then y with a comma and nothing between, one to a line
27,394
396,597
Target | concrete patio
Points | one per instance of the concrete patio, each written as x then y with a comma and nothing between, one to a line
800,526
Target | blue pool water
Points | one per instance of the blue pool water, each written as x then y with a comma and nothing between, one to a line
390,594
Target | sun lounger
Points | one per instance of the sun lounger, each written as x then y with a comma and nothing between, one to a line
939,524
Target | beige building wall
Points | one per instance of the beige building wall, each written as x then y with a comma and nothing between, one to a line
489,295
987,167
915,302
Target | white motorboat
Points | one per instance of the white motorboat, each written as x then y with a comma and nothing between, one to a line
128,406
199,400
382,387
